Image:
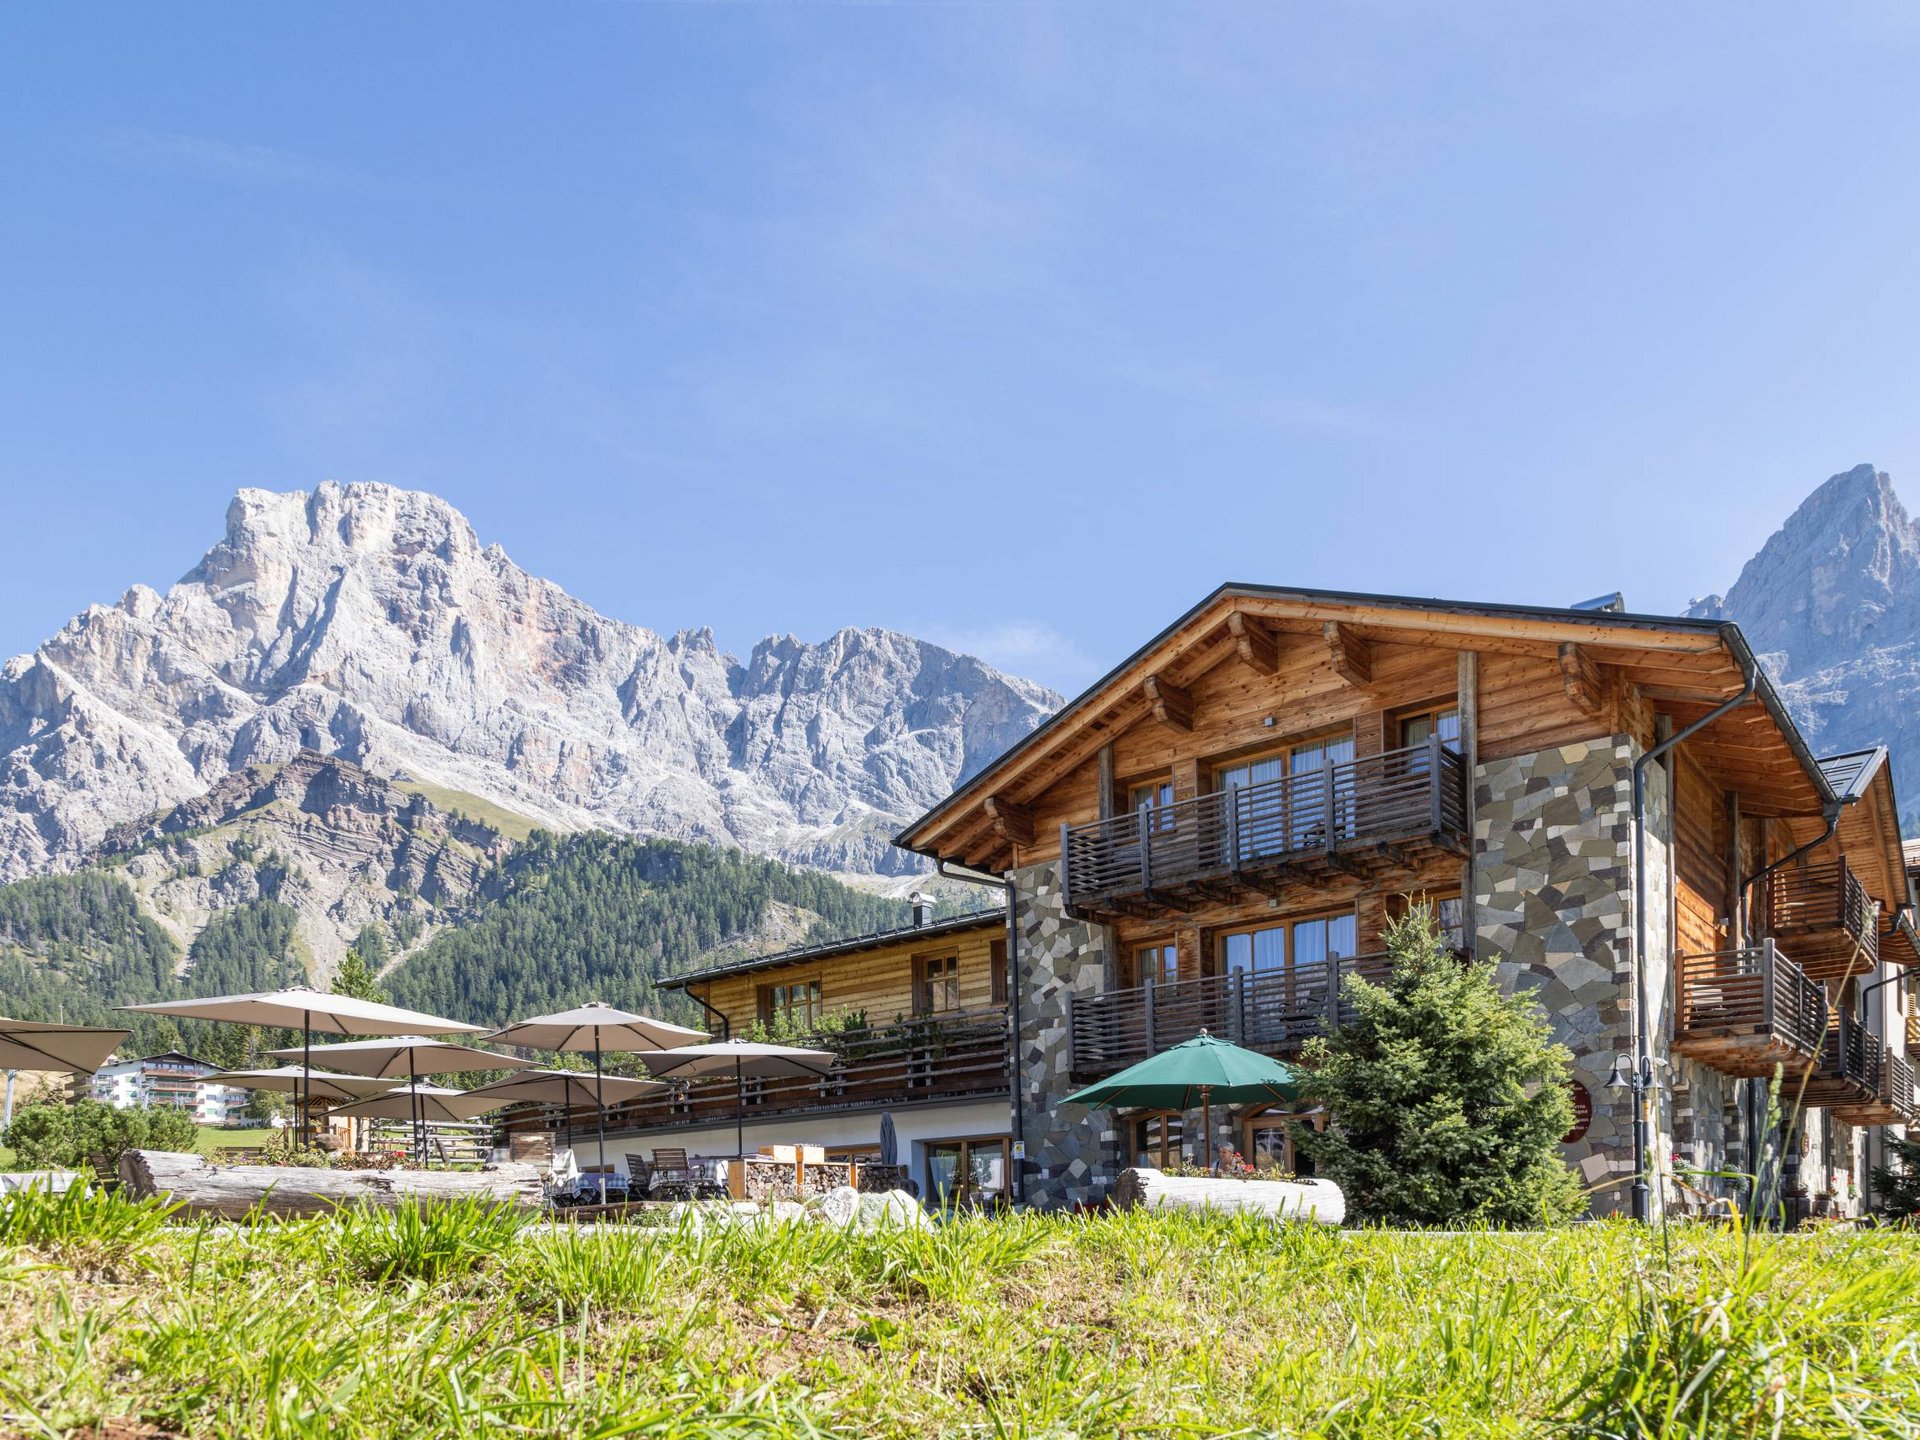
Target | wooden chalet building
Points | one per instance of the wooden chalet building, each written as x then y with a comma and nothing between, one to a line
919,1019
1217,832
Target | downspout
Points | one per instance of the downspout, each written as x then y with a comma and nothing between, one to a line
1642,1021
1830,811
726,1025
980,877
1866,1190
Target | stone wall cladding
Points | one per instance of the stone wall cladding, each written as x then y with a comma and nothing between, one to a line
1072,1155
1553,897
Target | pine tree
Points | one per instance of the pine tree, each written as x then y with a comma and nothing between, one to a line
355,978
1897,1183
1446,1099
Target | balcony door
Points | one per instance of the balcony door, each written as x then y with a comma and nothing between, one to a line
1273,818
1292,970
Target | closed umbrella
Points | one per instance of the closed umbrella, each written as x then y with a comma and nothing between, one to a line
1199,1072
408,1057
889,1141
598,1027
77,1049
309,1011
570,1088
739,1058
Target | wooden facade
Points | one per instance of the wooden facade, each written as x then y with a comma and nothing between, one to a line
944,968
1300,718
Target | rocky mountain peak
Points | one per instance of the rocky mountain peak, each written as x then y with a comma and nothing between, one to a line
368,623
1842,575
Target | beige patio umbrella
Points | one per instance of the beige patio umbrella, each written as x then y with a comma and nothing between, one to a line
570,1088
406,1057
77,1049
309,1011
431,1102
597,1027
298,1079
740,1059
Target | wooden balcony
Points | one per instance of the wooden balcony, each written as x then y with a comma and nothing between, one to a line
1898,943
944,1057
1894,1101
1276,1011
1744,1012
1849,1073
1824,916
1368,817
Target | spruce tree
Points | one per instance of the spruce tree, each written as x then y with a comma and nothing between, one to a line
355,978
1446,1099
1896,1185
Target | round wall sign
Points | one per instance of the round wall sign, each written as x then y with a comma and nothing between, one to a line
1582,1113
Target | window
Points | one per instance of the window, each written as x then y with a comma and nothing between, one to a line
938,991
1272,818
997,959
1269,1143
968,1174
1417,730
1156,1139
1154,800
1158,962
795,1004
1290,943
1449,912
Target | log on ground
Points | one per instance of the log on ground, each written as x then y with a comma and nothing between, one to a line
204,1188
1316,1200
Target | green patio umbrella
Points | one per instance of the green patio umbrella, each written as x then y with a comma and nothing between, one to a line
1202,1070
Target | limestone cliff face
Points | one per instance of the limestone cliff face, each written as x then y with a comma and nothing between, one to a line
1832,602
369,623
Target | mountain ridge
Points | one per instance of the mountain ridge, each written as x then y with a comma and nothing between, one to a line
369,623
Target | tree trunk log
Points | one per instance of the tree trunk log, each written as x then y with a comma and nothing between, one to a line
1316,1200
205,1188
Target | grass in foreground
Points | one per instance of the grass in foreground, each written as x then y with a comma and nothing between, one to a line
463,1322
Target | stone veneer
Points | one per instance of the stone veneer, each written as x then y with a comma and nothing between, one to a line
1072,1155
1553,898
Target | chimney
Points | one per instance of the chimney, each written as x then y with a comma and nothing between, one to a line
1613,602
922,909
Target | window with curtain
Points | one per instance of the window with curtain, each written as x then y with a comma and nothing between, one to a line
1272,819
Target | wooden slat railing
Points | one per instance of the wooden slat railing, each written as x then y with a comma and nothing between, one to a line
1823,897
1852,1053
1275,1010
1420,790
935,1058
1756,990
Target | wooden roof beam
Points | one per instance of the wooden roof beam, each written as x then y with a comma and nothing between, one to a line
1351,654
1258,647
1172,704
1011,820
1581,679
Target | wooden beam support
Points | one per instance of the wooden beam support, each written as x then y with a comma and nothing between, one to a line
1259,647
1581,679
1011,820
1172,704
1351,653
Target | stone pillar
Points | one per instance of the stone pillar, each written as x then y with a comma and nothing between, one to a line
1553,902
1072,1154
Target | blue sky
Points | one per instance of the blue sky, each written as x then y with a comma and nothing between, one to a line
1017,325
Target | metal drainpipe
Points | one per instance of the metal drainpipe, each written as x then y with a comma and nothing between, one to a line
726,1025
1642,1021
1831,813
1866,1190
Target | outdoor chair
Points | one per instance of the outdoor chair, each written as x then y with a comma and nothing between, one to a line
1692,1203
561,1174
639,1173
671,1175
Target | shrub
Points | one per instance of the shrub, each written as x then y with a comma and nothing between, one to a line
1446,1098
62,1137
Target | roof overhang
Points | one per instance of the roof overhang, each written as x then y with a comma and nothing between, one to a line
1683,666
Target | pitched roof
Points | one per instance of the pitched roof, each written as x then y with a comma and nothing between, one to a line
1604,628
954,925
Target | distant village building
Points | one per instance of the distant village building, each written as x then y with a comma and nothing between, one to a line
173,1081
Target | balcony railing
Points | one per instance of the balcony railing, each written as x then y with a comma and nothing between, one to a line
939,1057
1747,1011
1892,1100
1850,1071
1273,1010
1826,916
1356,816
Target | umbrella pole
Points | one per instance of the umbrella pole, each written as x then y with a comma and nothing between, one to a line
306,1076
600,1110
413,1104
1206,1125
739,1111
